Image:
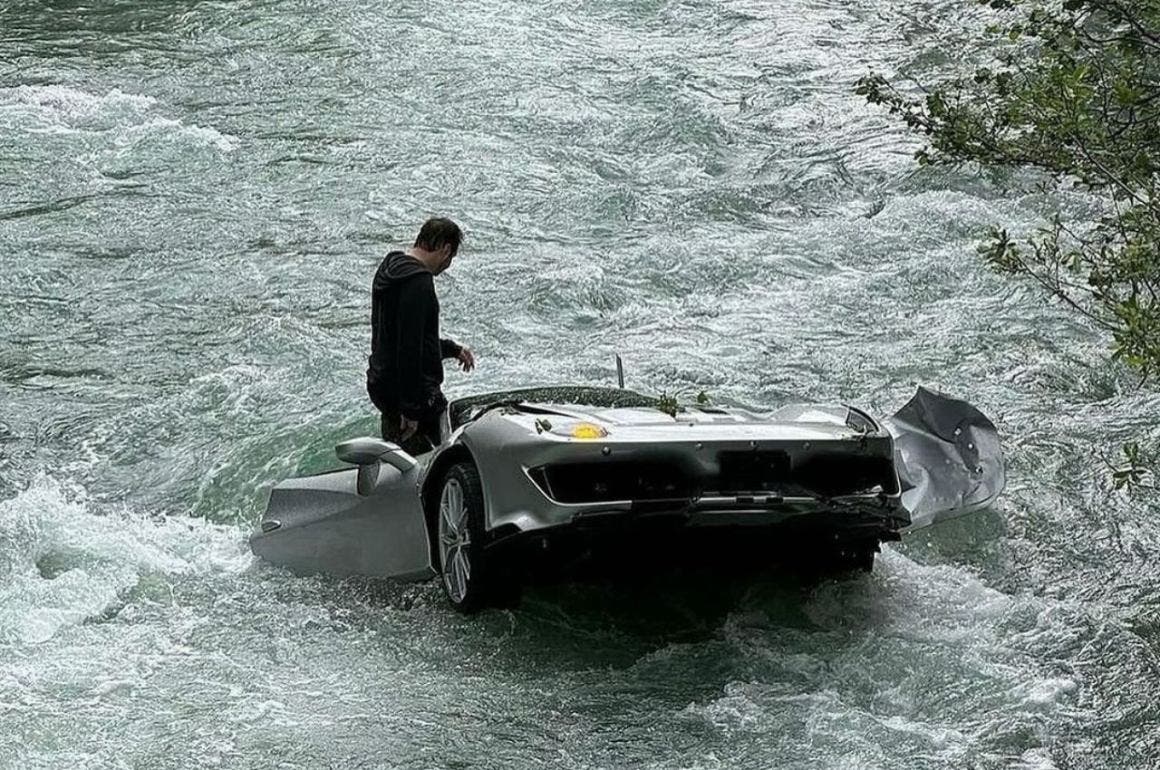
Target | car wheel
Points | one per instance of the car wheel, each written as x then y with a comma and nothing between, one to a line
462,563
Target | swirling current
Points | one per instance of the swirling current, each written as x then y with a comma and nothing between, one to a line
194,195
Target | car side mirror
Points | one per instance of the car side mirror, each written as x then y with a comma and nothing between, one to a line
368,451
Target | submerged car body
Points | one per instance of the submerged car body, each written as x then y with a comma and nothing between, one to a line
562,471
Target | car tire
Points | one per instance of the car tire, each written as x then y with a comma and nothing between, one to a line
463,567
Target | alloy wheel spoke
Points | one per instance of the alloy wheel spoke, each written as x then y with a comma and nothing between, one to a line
465,559
461,572
454,540
450,579
455,582
455,505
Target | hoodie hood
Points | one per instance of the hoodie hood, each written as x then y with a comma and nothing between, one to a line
397,266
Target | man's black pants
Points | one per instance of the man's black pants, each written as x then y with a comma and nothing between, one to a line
424,439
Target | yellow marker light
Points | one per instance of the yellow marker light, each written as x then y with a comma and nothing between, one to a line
588,431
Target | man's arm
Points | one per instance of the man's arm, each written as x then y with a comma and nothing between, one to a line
449,349
414,308
461,353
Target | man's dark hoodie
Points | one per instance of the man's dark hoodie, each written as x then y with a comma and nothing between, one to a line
405,368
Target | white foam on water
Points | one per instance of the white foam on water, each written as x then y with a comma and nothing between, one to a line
1044,692
65,560
1034,759
126,117
174,130
733,711
69,105
60,109
892,659
928,603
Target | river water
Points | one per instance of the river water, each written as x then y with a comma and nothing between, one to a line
193,198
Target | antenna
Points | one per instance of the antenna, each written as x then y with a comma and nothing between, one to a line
619,371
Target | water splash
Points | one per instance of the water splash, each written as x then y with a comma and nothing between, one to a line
65,560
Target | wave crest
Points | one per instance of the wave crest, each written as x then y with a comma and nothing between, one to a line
63,560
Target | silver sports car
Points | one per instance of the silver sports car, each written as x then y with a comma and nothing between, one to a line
563,480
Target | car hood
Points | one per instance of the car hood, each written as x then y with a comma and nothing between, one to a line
794,422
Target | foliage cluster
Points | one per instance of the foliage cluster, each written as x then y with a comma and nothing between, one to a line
1073,90
670,404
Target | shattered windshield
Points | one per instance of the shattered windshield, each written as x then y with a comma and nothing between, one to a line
461,409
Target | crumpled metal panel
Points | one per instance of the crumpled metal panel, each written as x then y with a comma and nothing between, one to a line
948,456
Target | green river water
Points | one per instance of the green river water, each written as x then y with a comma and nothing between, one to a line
194,196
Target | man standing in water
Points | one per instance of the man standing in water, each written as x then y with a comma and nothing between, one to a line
405,368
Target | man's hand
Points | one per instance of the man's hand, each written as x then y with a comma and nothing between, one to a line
407,428
466,358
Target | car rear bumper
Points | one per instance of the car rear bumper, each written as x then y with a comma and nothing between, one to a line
616,543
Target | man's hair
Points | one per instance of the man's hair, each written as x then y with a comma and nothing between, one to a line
438,232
